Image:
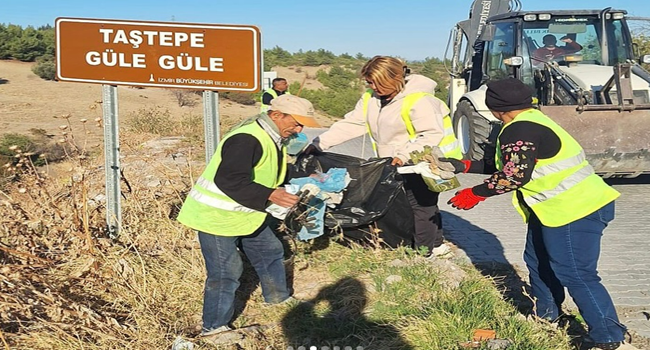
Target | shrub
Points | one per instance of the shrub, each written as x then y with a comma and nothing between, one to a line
160,122
11,144
45,67
240,97
184,97
151,121
16,150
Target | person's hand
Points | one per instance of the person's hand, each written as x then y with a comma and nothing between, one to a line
311,149
396,162
566,39
282,198
465,199
460,166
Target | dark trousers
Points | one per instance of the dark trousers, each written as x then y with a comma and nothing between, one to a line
424,203
567,256
224,266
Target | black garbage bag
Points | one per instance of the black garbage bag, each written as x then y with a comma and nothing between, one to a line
375,196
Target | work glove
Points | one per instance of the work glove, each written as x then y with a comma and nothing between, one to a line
460,166
465,199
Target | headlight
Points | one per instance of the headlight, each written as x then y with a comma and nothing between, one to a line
544,16
572,58
530,18
513,61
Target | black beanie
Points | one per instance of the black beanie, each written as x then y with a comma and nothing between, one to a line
508,95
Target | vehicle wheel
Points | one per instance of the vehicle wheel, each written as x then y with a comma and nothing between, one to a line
476,135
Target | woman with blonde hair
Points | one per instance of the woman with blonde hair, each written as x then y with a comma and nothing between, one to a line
401,115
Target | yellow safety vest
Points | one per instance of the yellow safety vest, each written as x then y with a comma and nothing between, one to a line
264,108
564,188
209,210
449,145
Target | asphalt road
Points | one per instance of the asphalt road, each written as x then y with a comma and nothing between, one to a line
493,232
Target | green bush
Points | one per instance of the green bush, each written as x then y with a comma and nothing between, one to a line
341,92
45,67
643,44
38,144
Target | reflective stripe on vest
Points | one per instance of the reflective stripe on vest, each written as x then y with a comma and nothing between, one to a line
449,145
208,209
565,184
563,188
558,166
218,203
218,199
265,108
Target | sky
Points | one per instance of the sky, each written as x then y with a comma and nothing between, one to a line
411,29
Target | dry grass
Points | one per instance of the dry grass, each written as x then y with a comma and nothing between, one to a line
66,286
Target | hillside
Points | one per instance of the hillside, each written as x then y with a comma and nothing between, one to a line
29,102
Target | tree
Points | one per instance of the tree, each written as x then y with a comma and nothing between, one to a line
277,56
434,69
311,59
642,41
28,46
337,78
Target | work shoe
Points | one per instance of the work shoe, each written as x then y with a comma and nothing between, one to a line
215,331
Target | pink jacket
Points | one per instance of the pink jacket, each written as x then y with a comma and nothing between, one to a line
386,123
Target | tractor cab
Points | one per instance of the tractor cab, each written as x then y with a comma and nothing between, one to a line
566,57
581,66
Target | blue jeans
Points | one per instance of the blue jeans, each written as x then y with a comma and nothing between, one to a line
224,268
567,256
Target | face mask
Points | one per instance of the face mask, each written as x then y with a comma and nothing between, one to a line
296,143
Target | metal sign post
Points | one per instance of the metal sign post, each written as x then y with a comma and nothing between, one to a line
211,122
112,159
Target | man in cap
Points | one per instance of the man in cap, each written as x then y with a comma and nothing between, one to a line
551,51
228,202
279,88
566,205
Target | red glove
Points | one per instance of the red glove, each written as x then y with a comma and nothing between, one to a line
465,199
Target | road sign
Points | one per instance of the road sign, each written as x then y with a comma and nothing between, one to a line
159,54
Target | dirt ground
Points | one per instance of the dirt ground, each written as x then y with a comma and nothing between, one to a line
29,102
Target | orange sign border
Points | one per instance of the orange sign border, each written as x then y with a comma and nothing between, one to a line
257,51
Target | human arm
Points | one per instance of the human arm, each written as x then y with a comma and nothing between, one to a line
351,126
522,143
461,165
239,154
570,45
